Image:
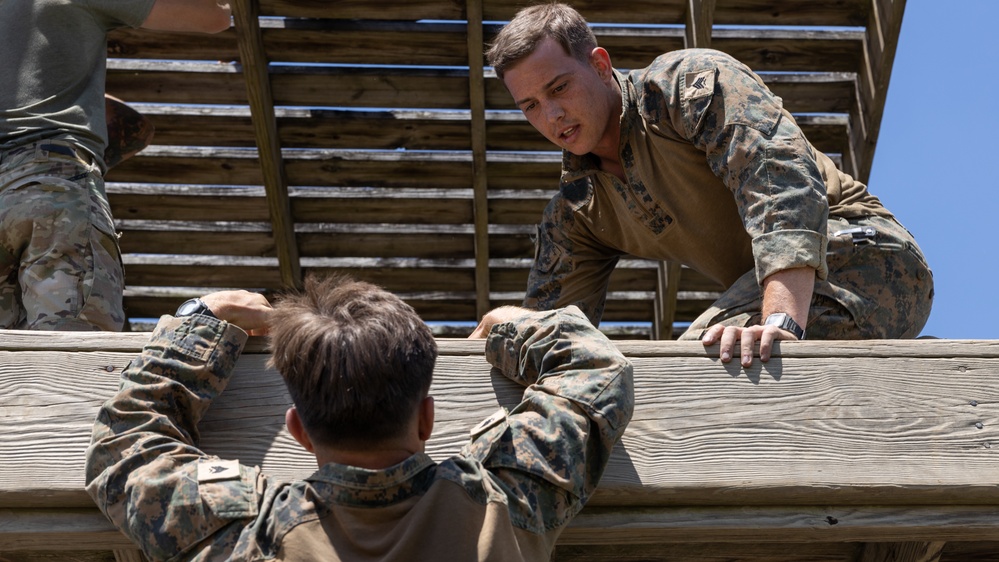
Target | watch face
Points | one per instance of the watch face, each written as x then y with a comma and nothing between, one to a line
784,321
193,306
776,319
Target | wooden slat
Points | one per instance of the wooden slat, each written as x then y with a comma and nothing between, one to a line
708,552
131,43
818,50
838,13
350,9
237,166
420,88
258,88
804,51
390,129
366,42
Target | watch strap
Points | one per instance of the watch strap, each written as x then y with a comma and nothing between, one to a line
784,321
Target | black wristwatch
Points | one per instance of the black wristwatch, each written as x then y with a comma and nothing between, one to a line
784,321
194,306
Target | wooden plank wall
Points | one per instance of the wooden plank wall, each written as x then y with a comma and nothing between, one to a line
868,451
367,137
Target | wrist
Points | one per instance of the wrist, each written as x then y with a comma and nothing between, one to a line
784,321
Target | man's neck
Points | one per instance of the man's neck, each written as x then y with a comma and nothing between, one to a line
372,459
608,150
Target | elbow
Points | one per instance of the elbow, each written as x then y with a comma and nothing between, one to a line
220,21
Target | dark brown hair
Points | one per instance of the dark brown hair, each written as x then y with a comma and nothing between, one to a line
356,359
532,25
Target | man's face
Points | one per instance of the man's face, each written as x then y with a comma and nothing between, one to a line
573,104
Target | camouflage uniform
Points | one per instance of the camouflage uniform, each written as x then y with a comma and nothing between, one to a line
522,477
721,179
60,267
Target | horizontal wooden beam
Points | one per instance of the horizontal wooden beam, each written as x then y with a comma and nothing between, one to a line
828,446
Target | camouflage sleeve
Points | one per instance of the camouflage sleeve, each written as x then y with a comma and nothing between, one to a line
753,145
566,270
144,470
550,451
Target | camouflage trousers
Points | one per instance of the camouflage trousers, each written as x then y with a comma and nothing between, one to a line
60,266
879,287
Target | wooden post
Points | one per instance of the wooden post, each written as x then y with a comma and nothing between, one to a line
258,90
480,187
700,18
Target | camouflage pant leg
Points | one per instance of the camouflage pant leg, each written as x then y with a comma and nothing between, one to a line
60,267
877,288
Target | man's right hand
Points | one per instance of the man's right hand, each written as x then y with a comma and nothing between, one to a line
249,311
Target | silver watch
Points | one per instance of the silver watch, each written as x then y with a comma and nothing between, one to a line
784,321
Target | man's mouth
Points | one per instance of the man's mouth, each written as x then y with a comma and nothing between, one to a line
564,135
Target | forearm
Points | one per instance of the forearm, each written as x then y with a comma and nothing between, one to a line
561,352
164,394
552,448
789,291
206,16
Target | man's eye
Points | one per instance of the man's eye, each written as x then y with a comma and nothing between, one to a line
528,107
559,88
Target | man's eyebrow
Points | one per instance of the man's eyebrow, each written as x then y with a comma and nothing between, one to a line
545,87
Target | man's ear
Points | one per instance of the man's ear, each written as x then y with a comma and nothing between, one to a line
426,418
601,63
297,429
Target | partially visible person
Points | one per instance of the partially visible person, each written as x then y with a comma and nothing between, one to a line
358,363
693,159
60,265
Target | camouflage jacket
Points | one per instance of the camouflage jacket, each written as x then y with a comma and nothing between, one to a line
719,177
508,494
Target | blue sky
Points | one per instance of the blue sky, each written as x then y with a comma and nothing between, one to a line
936,165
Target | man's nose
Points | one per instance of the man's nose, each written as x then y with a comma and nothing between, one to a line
554,112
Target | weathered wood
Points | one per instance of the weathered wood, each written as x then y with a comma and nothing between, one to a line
667,287
909,551
349,9
910,431
882,31
258,91
699,19
57,556
828,446
480,184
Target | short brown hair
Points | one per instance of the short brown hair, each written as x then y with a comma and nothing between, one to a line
532,25
356,359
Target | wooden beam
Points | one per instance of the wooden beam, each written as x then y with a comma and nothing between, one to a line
881,42
923,431
667,287
258,90
480,186
699,20
809,449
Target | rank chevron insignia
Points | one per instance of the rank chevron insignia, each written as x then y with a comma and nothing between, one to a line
700,84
